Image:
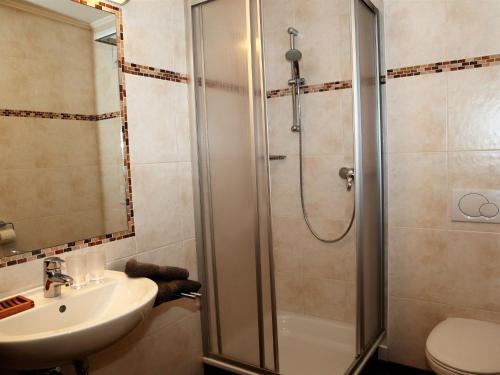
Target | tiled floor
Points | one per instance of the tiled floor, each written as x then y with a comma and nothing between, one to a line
210,370
375,367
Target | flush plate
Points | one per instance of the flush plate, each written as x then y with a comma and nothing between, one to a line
475,205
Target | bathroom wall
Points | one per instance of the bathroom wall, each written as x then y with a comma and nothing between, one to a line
443,133
170,340
312,278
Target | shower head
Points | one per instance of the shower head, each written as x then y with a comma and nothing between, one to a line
293,55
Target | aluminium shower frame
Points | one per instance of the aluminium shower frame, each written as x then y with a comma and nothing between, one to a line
363,352
201,227
365,348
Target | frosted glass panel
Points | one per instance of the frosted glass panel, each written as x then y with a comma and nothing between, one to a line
370,155
235,237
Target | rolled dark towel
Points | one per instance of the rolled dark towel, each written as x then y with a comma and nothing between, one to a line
133,268
171,290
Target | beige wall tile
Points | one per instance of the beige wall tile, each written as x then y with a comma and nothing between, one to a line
276,42
49,65
474,264
473,109
282,141
154,128
416,113
147,24
19,186
472,28
330,261
157,205
325,193
473,169
57,141
418,190
288,259
119,249
418,264
183,358
330,299
290,292
21,277
410,322
17,143
288,231
407,25
468,313
272,8
323,116
285,195
325,40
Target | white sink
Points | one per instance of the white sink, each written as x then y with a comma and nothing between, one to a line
79,322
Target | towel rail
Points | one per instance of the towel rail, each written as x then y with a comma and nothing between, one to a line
192,295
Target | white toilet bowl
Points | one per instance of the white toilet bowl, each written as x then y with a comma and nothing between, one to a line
459,346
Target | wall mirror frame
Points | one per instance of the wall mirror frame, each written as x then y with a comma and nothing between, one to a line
129,231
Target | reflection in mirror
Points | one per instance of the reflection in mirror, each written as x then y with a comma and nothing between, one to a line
62,176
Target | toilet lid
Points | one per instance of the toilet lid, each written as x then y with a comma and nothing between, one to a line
467,345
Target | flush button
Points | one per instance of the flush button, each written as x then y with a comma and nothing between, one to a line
475,205
469,204
489,210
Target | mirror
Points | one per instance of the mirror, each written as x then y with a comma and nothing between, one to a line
62,174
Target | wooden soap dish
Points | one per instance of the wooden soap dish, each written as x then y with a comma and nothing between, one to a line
15,305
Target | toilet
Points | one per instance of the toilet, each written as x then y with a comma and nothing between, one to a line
459,346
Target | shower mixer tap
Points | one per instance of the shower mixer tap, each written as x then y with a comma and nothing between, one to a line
348,175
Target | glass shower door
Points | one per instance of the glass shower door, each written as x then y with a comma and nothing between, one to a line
369,193
233,180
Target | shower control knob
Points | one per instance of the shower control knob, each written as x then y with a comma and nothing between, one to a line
348,175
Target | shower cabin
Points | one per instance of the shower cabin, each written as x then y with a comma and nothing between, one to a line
287,130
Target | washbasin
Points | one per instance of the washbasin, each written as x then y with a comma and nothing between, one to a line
78,323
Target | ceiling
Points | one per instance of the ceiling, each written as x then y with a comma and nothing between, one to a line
71,9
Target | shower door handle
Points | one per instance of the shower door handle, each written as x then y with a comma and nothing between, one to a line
348,175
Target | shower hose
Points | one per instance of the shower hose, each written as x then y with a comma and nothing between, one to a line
304,212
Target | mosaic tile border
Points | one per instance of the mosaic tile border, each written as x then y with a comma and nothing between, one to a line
108,237
407,71
56,115
152,72
444,66
307,89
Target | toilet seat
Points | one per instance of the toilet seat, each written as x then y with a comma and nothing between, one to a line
465,347
442,369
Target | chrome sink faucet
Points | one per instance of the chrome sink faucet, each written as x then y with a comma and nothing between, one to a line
53,278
